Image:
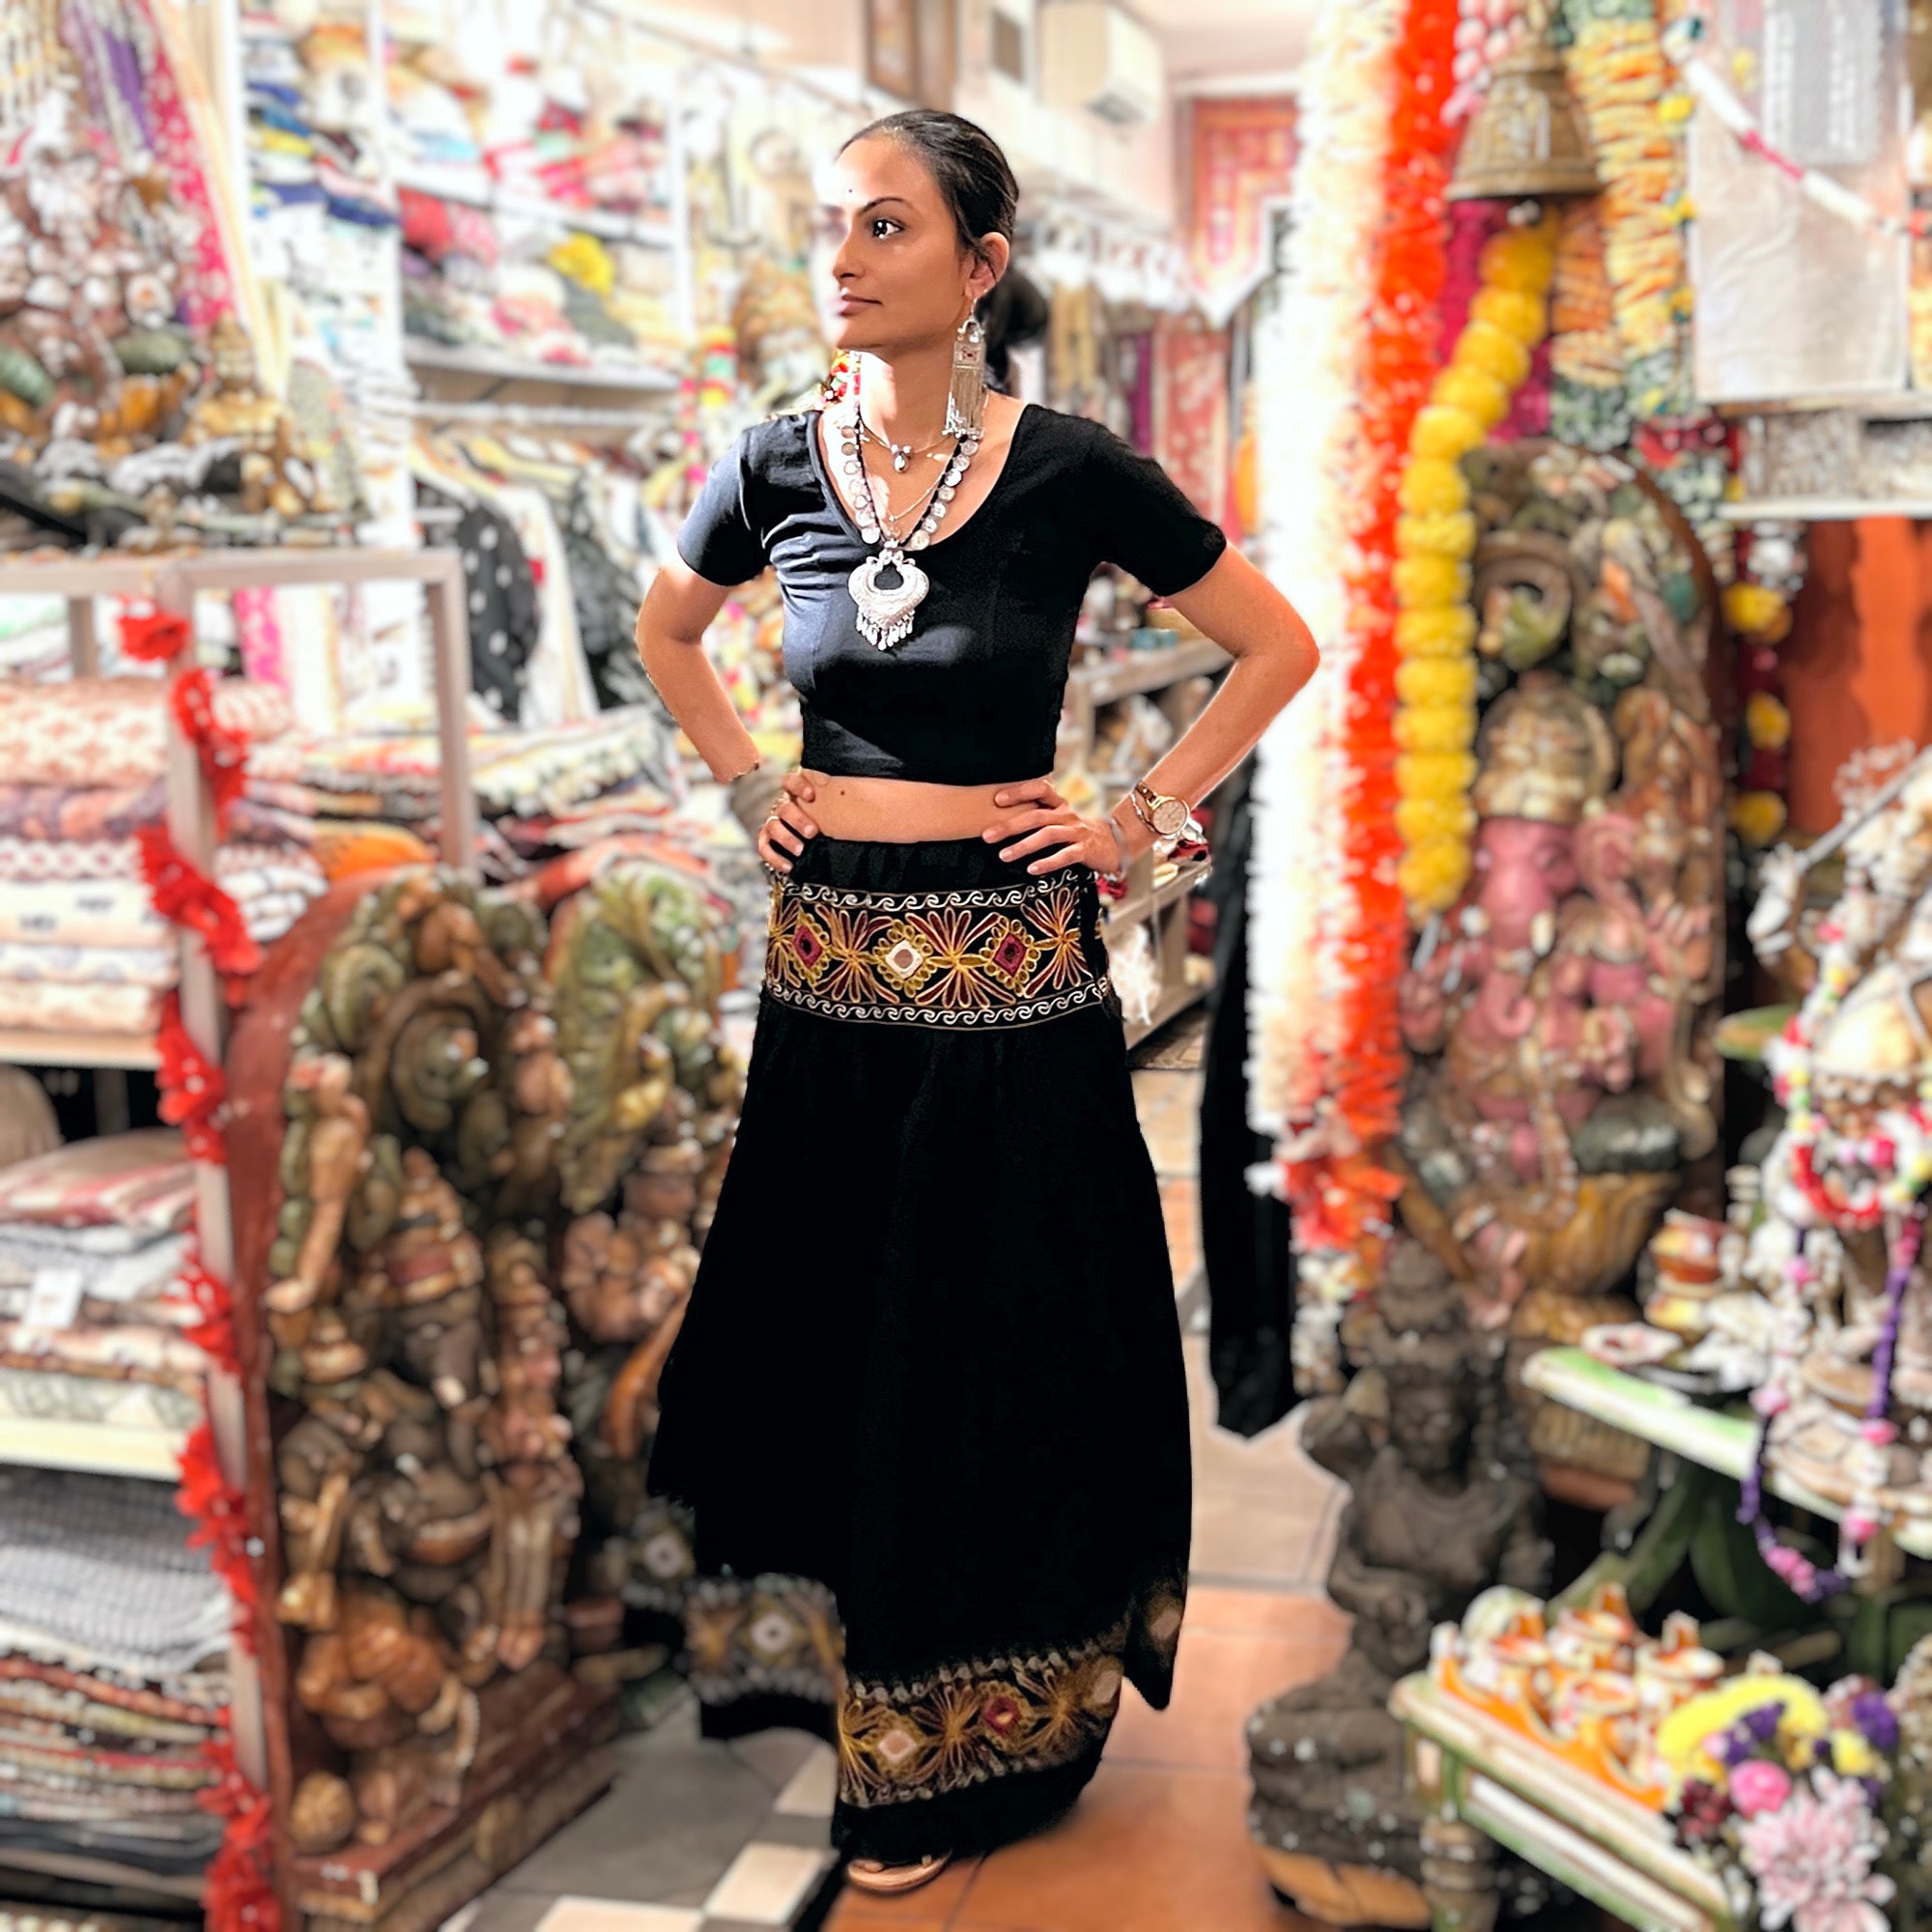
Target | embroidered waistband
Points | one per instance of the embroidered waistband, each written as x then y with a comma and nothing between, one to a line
994,956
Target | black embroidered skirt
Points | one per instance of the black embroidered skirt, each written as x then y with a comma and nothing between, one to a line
927,1407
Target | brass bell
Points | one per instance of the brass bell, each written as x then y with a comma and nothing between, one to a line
1528,137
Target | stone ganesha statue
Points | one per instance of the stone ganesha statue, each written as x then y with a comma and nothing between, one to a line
1444,1505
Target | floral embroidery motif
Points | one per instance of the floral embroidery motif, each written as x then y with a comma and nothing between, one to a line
1002,956
776,1635
970,1723
663,1565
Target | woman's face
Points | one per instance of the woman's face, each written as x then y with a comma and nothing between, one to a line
890,273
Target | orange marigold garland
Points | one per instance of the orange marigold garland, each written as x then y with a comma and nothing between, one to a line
1340,1191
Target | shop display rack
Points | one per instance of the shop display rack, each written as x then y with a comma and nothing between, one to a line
1708,1437
172,581
1155,673
442,359
20,1047
1488,1784
611,224
1484,1784
95,1448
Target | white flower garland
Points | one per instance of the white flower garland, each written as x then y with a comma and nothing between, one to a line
1307,354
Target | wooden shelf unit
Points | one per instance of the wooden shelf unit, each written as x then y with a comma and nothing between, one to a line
613,225
1154,673
95,1448
501,367
172,581
23,1047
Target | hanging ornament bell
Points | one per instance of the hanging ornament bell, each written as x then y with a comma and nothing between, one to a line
1528,137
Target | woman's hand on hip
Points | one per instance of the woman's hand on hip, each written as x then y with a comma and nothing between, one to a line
788,824
1039,819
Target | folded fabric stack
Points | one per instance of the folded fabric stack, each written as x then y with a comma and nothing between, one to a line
92,1242
32,637
323,220
517,211
81,947
615,772
113,1672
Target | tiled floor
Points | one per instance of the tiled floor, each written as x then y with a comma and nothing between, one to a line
707,1838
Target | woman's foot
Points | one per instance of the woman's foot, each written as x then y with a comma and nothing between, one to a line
870,1875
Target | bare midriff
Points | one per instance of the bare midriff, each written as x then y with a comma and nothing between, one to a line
904,810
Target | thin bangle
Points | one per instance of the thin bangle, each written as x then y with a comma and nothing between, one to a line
758,761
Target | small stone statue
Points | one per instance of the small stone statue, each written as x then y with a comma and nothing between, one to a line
1445,1504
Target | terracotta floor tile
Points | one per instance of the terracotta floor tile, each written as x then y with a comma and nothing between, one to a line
937,1901
1182,1222
1168,1104
1219,1678
841,1918
1307,1615
1280,1549
1146,1849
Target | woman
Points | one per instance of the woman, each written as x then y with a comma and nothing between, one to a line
931,1365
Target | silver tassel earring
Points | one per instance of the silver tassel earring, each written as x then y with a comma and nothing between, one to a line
966,399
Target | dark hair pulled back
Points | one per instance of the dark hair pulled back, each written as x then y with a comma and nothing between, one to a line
966,164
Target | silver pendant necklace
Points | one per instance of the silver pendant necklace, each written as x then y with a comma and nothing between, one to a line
901,453
886,609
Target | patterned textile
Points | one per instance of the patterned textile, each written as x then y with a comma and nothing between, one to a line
189,1700
112,730
774,1637
1007,955
46,1007
663,1567
54,1395
139,1181
521,771
269,825
967,1724
29,860
112,1352
42,1702
99,1568
140,1273
504,619
80,811
83,912
155,966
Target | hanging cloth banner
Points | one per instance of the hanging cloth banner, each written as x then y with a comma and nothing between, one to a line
1241,162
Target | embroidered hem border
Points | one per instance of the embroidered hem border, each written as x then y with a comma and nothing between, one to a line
969,1724
1006,956
762,1636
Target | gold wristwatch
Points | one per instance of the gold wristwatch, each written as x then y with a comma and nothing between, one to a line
1164,817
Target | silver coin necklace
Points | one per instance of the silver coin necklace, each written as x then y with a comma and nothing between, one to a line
886,609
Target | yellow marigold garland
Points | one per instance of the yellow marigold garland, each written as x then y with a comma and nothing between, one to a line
1434,628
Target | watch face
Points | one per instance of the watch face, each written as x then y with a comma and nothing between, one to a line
1170,816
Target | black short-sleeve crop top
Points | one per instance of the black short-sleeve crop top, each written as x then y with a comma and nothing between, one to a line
974,695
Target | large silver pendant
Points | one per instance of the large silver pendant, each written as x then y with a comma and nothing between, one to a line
886,611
